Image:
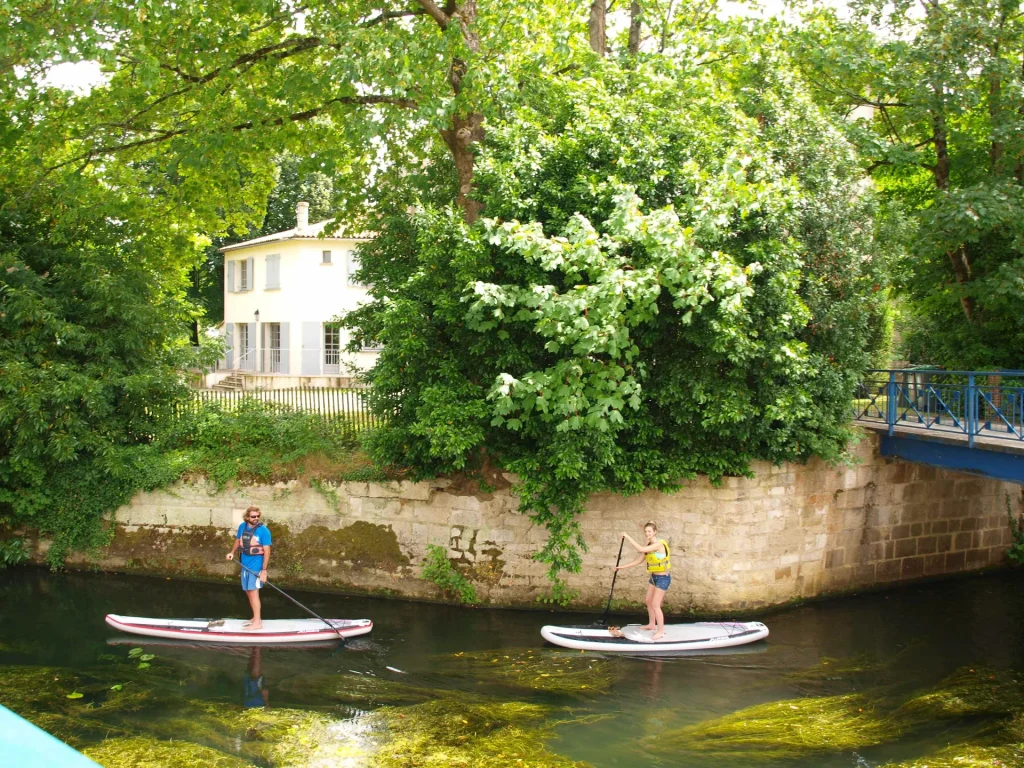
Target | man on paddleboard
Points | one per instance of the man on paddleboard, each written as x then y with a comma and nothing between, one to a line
254,541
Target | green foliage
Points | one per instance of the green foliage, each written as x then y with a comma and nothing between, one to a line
252,442
943,140
664,286
1016,551
12,552
437,569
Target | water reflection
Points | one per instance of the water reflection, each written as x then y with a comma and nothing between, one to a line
431,661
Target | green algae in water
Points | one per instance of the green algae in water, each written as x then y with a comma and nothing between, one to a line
147,752
788,729
968,692
969,756
360,691
535,669
467,731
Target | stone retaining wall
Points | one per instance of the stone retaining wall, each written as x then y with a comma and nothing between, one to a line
791,531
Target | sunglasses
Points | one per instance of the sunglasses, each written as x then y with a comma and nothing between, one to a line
254,517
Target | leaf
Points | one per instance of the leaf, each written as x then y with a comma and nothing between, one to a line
144,665
75,695
147,657
117,687
135,652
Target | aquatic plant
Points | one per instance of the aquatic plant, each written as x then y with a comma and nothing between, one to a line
535,669
147,752
967,692
828,672
467,731
438,569
969,756
782,730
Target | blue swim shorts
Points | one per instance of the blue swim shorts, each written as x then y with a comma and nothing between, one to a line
250,581
661,581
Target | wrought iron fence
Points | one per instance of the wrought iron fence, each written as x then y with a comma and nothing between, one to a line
975,404
345,408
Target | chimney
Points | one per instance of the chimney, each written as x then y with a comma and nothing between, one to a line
301,216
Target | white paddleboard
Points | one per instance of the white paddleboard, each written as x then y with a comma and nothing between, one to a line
698,636
233,631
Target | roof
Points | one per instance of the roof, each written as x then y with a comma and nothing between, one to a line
310,232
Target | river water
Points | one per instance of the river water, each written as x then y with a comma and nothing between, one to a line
868,680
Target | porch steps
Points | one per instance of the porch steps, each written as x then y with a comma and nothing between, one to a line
232,383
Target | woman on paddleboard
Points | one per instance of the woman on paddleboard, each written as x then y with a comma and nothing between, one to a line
655,553
254,540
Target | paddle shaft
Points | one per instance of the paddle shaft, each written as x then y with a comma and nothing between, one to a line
615,575
307,610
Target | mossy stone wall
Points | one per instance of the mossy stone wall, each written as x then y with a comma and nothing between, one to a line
792,531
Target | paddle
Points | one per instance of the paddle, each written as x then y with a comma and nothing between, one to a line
307,610
615,575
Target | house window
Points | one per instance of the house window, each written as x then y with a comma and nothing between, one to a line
332,348
243,275
326,257
352,268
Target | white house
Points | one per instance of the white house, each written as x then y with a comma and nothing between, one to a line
280,293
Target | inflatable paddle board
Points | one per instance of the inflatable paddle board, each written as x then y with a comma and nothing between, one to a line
232,631
678,637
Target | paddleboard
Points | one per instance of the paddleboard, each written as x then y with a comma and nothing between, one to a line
678,637
232,630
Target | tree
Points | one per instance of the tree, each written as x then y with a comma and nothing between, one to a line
944,80
676,274
295,182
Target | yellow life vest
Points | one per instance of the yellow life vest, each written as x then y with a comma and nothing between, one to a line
657,563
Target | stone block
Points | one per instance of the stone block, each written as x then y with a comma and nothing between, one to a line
977,558
906,548
863,573
835,558
992,538
927,545
887,571
912,567
963,540
901,531
955,561
934,564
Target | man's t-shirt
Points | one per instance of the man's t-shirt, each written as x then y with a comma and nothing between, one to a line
260,537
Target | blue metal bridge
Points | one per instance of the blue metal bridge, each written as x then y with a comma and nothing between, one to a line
970,421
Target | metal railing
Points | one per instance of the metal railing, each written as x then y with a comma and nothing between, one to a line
271,360
974,404
345,407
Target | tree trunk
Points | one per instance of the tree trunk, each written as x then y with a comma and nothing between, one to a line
1019,170
635,27
465,131
596,27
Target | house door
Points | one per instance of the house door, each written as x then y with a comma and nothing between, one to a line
272,362
332,348
245,361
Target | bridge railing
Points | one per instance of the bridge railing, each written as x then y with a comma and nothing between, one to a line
974,404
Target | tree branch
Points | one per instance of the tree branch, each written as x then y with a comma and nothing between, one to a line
431,9
387,15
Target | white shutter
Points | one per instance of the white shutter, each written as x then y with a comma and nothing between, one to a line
351,267
273,271
285,348
252,273
231,276
312,337
229,344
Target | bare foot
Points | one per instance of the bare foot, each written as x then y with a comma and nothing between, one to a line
658,636
252,626
247,625
648,626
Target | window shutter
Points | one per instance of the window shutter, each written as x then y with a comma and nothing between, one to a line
252,273
352,266
273,271
229,343
252,346
231,276
312,336
286,348
326,257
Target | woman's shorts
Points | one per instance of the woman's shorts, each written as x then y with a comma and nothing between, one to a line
250,581
661,581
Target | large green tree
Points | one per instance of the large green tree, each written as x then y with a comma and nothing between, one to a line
676,273
943,81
